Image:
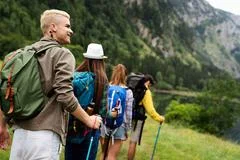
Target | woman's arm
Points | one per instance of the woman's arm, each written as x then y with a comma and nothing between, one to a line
149,107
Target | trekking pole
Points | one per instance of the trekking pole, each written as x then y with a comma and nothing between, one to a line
93,135
111,130
107,144
155,144
90,145
108,139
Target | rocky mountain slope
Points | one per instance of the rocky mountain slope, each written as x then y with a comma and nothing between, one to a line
190,29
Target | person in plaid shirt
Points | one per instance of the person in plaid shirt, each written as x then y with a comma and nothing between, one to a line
119,134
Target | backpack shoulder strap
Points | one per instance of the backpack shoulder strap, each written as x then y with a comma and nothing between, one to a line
45,48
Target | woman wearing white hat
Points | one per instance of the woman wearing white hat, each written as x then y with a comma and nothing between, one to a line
93,62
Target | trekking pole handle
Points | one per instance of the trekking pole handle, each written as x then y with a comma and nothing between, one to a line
95,130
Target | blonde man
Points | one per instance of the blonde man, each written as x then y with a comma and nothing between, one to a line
41,137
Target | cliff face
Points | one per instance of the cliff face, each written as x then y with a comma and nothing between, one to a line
190,28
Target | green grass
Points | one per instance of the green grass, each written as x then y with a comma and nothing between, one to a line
177,143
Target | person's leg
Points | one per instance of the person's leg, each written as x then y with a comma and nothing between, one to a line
102,148
135,135
32,145
114,149
18,144
132,150
119,136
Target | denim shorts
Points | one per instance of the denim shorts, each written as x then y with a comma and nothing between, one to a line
118,133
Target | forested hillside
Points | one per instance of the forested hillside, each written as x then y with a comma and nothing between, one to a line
153,38
92,21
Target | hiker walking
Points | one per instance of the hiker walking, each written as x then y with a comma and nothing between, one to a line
82,142
119,117
145,105
41,136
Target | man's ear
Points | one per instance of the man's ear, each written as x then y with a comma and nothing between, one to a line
53,27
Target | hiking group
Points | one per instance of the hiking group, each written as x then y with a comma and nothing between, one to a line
37,106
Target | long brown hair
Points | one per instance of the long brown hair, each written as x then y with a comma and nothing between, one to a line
97,66
119,75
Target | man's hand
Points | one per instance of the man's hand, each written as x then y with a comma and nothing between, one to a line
94,122
4,134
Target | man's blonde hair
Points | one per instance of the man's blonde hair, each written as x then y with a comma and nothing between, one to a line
50,16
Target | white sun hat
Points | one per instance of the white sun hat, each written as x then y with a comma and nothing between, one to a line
94,51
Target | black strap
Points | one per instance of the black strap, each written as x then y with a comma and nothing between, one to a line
135,125
106,144
140,136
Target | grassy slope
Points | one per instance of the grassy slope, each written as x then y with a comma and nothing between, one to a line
178,144
183,144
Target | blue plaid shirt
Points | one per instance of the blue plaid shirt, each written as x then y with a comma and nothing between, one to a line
127,123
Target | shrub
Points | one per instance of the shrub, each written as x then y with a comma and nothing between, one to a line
186,114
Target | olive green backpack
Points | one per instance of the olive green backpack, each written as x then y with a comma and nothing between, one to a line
21,94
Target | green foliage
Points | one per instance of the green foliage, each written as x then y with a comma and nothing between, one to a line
216,119
15,18
10,43
221,105
164,85
151,64
185,35
218,107
17,27
176,73
186,114
223,88
154,14
92,21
